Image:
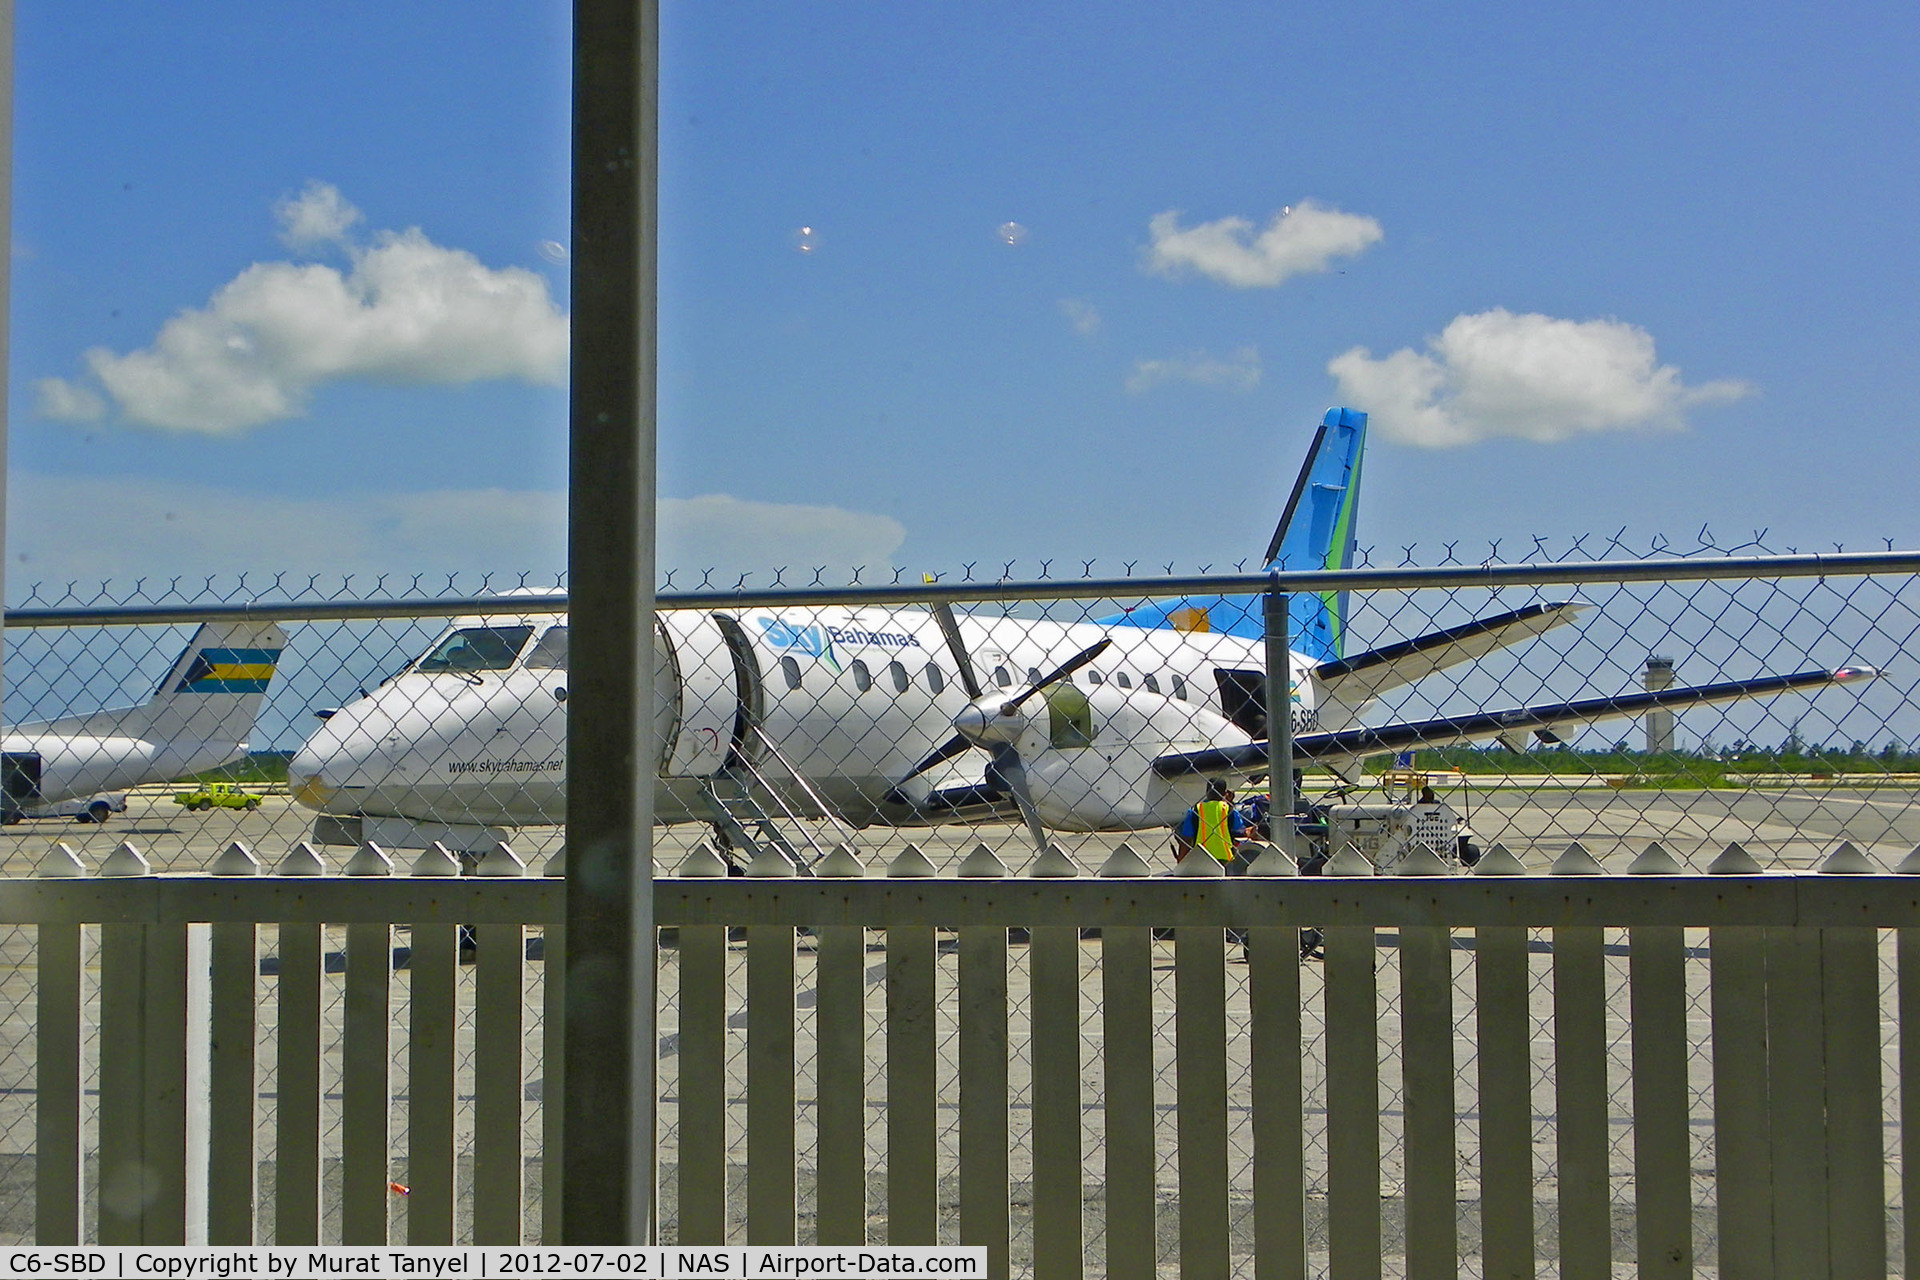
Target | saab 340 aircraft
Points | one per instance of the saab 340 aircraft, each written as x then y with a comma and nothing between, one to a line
197,719
905,717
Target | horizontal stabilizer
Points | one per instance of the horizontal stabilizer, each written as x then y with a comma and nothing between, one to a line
1316,532
1353,681
1450,730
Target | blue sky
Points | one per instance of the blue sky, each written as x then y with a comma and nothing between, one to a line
1588,267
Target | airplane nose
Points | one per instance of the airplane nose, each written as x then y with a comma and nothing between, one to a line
305,780
307,789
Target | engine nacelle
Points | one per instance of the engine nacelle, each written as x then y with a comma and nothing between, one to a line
1109,784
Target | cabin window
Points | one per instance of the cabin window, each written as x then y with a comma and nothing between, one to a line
1033,675
1124,680
936,682
477,649
1069,717
1001,678
1094,677
551,651
1180,688
1153,684
790,668
897,674
862,679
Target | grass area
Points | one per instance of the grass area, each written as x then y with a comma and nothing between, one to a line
261,768
1672,770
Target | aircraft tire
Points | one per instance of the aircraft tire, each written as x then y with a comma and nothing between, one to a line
98,811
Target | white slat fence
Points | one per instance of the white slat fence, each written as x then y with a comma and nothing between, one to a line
1800,1179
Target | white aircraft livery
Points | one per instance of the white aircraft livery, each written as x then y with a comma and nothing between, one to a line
198,718
910,717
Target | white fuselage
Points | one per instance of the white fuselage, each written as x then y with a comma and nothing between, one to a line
78,764
848,700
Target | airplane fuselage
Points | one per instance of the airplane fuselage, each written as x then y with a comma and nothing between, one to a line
70,764
847,700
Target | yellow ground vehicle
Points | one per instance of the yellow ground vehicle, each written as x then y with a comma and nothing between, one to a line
217,795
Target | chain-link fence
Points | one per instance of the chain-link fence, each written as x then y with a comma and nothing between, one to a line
1772,707
825,720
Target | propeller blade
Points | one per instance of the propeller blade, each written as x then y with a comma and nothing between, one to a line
943,614
1062,671
956,745
1009,769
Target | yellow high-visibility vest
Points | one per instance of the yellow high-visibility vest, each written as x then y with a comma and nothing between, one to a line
1213,828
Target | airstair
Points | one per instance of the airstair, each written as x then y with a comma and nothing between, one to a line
748,807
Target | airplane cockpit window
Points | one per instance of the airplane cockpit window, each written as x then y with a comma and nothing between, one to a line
550,651
897,674
1001,678
936,681
477,649
862,678
1069,716
1152,683
790,668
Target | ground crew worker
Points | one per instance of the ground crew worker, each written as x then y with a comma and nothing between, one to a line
1213,825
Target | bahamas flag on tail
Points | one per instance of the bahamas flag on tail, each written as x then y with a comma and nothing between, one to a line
229,671
1316,532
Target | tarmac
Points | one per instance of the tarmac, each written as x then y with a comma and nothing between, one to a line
1789,825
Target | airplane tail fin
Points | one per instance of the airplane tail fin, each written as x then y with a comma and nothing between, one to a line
211,694
1316,531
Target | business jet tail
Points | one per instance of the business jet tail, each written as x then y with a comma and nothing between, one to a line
1316,531
211,694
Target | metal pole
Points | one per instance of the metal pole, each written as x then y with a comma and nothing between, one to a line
607,1138
6,270
1279,719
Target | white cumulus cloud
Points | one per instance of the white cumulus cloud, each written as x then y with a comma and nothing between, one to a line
67,402
406,310
1239,371
1082,315
1303,238
162,529
1530,377
318,216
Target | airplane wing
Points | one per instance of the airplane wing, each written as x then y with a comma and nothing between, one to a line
1353,681
1448,730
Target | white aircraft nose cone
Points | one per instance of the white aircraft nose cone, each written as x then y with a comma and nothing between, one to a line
307,789
306,778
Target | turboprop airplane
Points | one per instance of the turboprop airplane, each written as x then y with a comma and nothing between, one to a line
197,719
908,716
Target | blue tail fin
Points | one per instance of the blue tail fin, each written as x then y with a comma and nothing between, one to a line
1316,532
